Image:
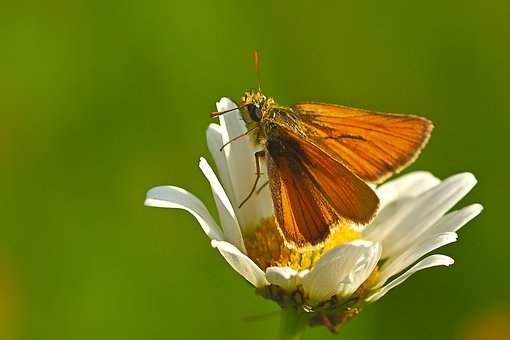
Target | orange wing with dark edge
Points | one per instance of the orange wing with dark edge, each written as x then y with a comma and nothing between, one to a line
372,145
312,192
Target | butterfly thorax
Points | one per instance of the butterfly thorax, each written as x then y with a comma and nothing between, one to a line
265,118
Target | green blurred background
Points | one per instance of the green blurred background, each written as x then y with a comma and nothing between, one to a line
102,100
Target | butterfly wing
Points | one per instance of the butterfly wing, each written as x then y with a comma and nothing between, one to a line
312,192
372,145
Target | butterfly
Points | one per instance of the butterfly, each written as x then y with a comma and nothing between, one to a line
320,159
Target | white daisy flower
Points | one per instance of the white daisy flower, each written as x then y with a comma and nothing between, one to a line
330,285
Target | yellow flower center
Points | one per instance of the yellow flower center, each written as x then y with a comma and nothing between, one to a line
266,248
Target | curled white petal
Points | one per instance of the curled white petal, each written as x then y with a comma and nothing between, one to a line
241,263
285,277
431,261
342,270
229,223
174,197
361,271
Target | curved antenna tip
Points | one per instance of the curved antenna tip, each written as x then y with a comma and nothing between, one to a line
256,57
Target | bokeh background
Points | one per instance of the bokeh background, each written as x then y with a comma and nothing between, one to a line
102,100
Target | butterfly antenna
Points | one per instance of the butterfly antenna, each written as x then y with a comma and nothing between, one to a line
219,113
256,57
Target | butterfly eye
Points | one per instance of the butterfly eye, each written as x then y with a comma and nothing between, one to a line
254,112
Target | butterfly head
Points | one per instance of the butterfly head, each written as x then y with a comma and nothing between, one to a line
254,107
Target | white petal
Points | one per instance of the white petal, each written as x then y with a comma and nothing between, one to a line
455,220
281,276
226,212
174,197
395,265
300,278
342,270
215,142
386,220
415,216
394,195
361,271
449,223
241,263
409,185
440,234
431,261
285,277
240,156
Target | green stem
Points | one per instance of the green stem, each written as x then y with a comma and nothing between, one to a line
292,324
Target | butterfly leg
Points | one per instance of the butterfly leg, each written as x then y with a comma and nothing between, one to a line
236,138
258,154
262,187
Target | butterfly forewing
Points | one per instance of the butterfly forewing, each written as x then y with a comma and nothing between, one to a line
372,145
312,192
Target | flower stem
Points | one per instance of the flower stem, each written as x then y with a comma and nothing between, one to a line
292,324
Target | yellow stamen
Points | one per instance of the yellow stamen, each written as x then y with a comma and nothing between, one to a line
266,248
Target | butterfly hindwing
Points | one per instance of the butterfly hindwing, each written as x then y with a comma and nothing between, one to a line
313,192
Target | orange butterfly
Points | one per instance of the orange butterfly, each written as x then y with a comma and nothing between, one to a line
320,158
